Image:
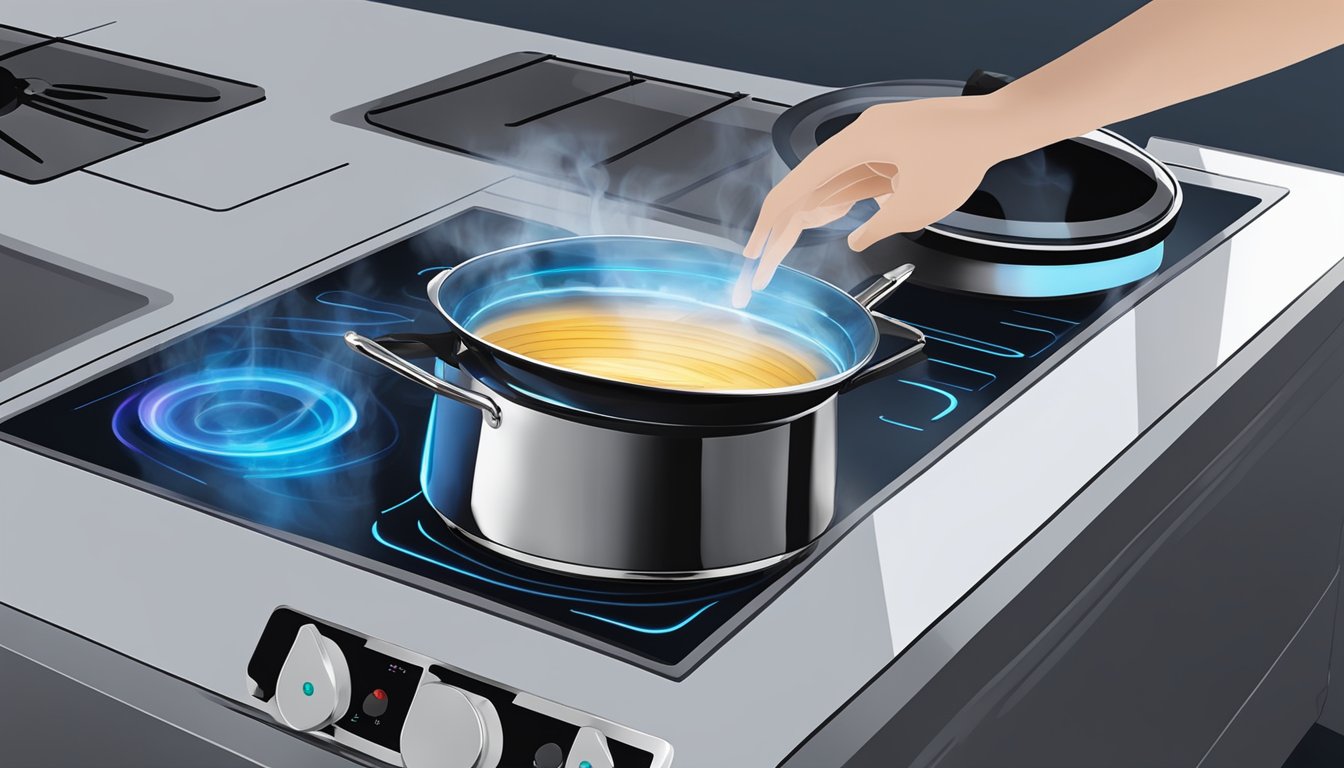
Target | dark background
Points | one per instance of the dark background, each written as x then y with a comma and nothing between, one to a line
1296,114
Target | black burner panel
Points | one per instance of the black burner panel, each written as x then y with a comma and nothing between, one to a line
64,105
11,90
267,419
689,150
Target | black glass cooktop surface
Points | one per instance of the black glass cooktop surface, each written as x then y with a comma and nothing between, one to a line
267,419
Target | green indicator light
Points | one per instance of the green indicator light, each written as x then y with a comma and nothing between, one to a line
307,689
585,764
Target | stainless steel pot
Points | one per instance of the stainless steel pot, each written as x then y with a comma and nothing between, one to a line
608,479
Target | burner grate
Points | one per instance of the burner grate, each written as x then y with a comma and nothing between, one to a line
688,150
64,105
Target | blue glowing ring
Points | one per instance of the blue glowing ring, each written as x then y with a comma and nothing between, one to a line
1050,280
246,413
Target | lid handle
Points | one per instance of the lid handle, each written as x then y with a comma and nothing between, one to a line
983,82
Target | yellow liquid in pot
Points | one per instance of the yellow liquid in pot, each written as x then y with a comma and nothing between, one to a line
661,344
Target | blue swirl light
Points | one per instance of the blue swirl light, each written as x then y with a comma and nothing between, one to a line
246,413
991,377
951,398
642,629
900,424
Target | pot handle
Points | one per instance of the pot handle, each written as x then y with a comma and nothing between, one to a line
380,354
883,286
887,326
412,346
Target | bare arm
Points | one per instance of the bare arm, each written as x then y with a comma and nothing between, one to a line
921,159
1166,52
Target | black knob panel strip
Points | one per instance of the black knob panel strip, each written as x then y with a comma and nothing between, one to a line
384,685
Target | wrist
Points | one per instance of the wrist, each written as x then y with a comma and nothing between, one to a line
1026,123
1022,123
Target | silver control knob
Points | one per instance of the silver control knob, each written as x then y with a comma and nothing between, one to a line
448,727
313,690
589,750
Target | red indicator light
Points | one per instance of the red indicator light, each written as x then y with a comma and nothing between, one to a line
379,694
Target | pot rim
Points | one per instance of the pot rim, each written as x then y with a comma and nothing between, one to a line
834,380
1161,175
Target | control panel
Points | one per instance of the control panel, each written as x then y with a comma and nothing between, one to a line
405,709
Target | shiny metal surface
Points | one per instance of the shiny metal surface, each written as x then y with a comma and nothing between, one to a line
494,730
689,503
676,504
889,326
376,352
884,286
648,505
314,686
575,569
685,504
443,729
589,749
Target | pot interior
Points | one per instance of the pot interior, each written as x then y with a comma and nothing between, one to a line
656,313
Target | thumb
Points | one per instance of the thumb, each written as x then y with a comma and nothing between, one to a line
897,213
883,224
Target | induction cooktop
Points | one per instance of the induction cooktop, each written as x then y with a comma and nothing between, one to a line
267,420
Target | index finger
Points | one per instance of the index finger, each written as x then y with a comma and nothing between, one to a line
792,191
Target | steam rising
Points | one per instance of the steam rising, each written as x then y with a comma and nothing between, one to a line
271,398
703,181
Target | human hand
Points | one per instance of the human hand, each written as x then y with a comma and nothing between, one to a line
921,159
918,159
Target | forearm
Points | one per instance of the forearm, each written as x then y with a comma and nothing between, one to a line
1166,52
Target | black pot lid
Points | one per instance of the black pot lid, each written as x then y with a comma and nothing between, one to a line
1093,195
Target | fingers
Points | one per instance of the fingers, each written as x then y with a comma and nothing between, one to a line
776,207
891,218
742,289
774,238
778,247
827,163
881,225
780,243
869,186
820,190
896,213
759,234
